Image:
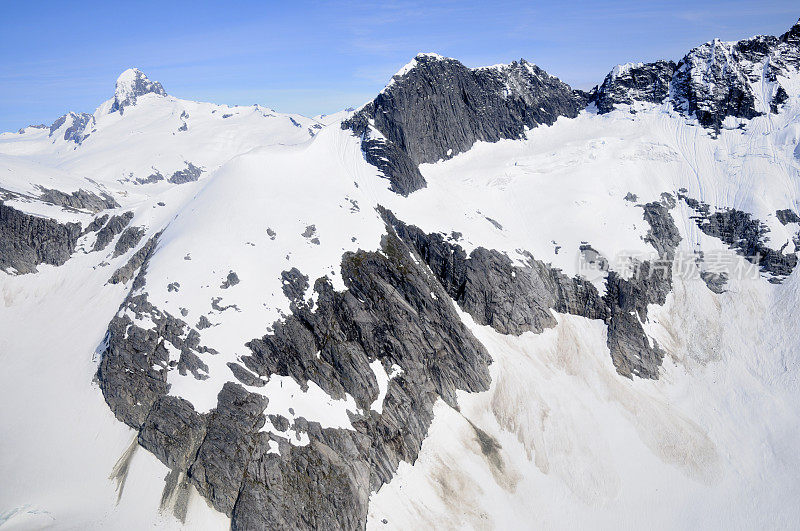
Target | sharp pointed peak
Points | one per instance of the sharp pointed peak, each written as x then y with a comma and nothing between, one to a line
131,84
793,35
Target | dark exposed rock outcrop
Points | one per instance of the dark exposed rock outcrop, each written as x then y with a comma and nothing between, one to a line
231,280
135,263
634,82
114,226
787,216
514,299
745,235
129,239
27,241
393,311
79,199
713,81
188,175
439,108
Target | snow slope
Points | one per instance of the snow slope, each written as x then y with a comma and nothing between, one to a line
568,441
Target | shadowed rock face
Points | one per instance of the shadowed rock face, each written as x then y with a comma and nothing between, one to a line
397,311
515,299
393,311
79,199
27,241
440,108
747,236
629,83
713,81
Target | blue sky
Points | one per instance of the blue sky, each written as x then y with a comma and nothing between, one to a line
314,57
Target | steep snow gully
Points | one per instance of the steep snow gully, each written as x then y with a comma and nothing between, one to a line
483,299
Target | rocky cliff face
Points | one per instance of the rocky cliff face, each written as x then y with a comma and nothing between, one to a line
394,312
27,241
73,125
513,299
748,237
628,83
436,108
718,79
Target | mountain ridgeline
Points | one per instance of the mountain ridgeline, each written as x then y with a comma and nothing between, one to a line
393,315
436,108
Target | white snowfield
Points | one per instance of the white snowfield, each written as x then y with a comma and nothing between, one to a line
711,444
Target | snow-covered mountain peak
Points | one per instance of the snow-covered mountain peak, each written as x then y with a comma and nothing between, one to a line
418,59
718,83
473,302
793,35
131,84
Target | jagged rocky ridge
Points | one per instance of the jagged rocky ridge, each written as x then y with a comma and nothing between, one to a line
747,236
438,108
27,241
713,81
396,310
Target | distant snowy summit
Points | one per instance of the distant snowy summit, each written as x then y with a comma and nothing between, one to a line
132,84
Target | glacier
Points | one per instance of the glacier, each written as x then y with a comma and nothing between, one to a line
482,300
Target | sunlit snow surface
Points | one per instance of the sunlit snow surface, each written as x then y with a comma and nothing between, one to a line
712,443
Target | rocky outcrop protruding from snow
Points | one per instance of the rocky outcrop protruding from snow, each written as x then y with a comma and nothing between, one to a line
27,241
79,199
393,312
787,216
73,125
747,236
137,261
628,83
131,85
514,299
190,174
436,108
135,361
129,239
114,226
